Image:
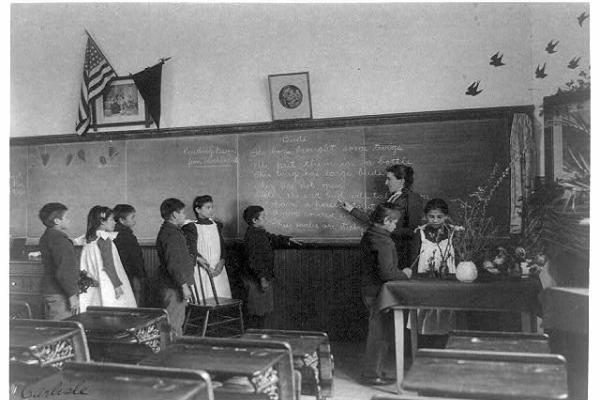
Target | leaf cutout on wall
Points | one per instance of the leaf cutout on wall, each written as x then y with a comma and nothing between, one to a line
81,155
69,158
45,158
102,160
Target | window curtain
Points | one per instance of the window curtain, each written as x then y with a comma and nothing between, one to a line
522,171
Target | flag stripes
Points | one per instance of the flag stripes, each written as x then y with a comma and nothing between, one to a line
97,74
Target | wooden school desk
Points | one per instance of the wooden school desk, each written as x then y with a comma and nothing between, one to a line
266,365
124,334
519,342
515,296
107,381
312,357
488,375
45,342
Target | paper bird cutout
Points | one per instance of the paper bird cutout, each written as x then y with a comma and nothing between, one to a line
550,47
582,17
574,63
540,72
496,60
472,90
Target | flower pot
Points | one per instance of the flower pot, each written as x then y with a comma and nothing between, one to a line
466,271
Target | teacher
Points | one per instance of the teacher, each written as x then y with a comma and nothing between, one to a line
399,180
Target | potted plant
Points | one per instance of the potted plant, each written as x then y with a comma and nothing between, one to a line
473,241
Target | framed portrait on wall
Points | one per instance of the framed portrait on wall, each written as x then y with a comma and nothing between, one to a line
290,96
120,105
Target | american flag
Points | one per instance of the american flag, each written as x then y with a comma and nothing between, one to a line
97,73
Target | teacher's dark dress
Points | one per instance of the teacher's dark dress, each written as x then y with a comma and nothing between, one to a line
410,204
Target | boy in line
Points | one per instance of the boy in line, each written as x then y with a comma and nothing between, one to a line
61,267
176,264
379,264
130,250
258,274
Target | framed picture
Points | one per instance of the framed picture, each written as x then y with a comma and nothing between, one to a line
290,96
120,105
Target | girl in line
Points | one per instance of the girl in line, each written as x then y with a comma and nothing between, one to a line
100,259
205,242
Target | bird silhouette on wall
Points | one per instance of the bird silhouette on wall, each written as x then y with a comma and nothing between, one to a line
582,17
472,90
540,72
496,60
550,46
574,63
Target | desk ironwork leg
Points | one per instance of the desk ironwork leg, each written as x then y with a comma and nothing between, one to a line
413,333
399,335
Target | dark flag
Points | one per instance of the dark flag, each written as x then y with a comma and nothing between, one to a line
97,74
148,83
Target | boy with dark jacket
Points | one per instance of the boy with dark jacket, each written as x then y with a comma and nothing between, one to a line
176,264
61,267
130,250
258,273
379,264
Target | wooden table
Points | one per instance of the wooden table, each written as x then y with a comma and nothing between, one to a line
498,341
267,365
45,342
107,381
124,334
488,375
511,296
312,357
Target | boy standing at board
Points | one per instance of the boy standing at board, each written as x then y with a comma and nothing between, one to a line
129,249
258,273
379,264
176,264
61,267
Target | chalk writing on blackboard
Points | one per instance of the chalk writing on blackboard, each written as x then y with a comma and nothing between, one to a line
209,155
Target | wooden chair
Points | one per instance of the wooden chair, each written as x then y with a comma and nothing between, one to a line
213,313
19,309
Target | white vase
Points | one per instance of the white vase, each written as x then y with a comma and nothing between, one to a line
466,271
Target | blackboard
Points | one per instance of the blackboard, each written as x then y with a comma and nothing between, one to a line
80,175
299,176
18,191
296,174
450,159
182,168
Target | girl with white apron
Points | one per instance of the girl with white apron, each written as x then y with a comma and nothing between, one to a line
209,248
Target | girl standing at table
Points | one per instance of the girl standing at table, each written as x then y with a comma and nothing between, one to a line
100,259
206,244
437,259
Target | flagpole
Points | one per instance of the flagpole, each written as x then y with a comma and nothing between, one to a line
98,47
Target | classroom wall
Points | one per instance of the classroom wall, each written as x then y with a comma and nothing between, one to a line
363,59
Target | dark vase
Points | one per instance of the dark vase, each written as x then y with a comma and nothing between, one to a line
444,270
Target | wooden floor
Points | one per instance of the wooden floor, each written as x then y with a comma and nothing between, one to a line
348,361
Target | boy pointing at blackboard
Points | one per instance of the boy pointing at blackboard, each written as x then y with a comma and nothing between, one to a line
258,273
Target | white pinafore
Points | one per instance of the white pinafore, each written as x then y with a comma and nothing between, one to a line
104,294
435,322
209,247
